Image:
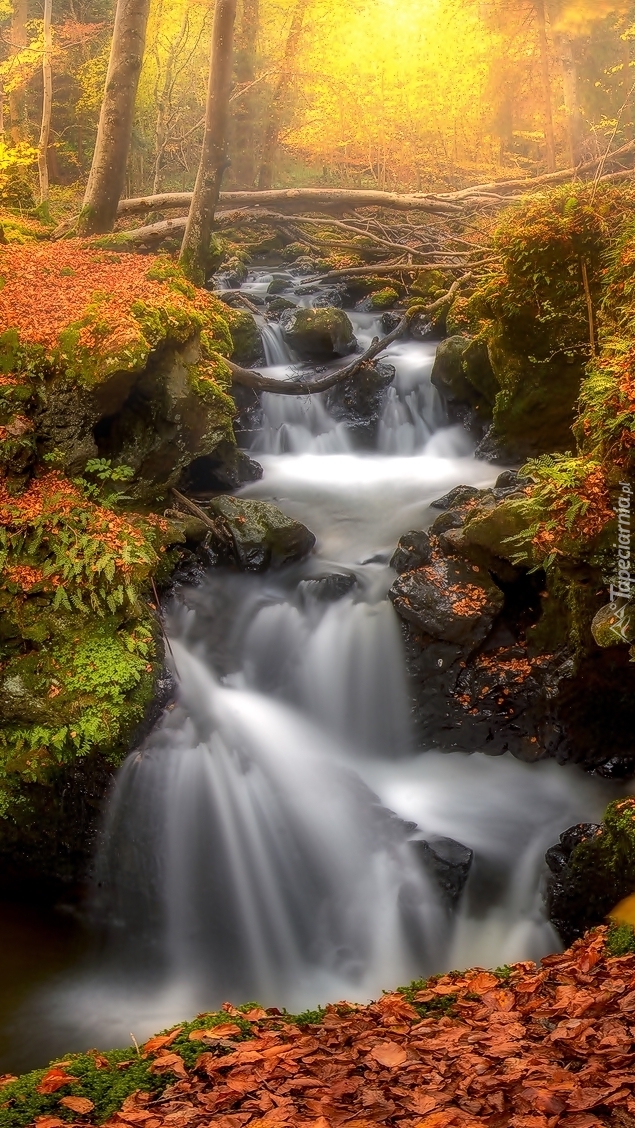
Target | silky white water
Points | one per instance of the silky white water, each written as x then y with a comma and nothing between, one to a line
260,844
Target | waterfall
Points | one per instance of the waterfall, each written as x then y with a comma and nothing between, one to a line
262,843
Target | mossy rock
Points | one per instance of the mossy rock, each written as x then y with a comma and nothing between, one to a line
383,299
463,375
262,535
245,334
318,334
598,873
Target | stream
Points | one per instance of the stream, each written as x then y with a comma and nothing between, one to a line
267,840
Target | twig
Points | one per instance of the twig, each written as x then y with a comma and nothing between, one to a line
589,306
165,637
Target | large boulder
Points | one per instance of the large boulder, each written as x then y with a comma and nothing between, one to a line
262,536
318,334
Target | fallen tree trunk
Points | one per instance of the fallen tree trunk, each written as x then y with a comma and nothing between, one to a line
294,200
252,379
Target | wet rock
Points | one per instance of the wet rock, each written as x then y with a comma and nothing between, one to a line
278,305
449,600
359,402
226,469
262,536
318,334
279,283
458,496
328,589
448,863
413,551
592,869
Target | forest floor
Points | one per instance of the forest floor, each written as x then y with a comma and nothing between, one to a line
525,1046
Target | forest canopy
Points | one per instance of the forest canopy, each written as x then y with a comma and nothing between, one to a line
418,95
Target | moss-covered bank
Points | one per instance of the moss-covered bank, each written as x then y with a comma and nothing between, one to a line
112,383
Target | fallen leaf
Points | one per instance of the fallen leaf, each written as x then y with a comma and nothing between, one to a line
161,1041
389,1054
55,1079
81,1105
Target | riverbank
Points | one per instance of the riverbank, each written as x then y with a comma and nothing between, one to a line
525,1046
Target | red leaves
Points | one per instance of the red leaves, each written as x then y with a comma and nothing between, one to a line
544,1048
55,1079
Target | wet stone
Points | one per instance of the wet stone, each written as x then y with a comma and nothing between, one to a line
413,551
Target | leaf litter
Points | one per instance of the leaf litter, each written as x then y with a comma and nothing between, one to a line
548,1046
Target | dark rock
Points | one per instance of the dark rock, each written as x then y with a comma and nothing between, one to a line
448,863
458,496
278,305
318,334
226,469
328,589
359,402
592,868
449,600
463,376
413,551
262,535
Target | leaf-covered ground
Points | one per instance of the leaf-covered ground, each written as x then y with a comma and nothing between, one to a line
526,1047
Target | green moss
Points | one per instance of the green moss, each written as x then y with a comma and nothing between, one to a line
384,299
245,336
602,867
620,940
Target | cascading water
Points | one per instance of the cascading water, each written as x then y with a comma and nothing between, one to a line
265,841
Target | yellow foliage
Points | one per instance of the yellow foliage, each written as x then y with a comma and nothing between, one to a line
624,913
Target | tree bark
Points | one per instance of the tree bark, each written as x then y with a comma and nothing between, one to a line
545,74
244,162
47,101
272,127
195,248
19,39
571,98
108,171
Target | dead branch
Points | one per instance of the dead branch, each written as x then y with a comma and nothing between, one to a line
300,387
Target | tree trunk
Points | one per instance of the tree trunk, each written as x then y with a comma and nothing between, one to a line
244,162
164,101
19,39
539,8
47,99
272,128
571,98
195,248
108,171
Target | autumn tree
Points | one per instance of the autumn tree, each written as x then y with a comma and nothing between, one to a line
278,100
108,170
19,39
214,155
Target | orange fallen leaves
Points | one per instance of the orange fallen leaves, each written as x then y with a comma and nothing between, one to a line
81,1105
549,1047
55,1078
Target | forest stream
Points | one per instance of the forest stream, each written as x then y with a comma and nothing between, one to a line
268,840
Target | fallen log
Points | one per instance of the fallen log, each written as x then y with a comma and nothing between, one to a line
249,378
293,200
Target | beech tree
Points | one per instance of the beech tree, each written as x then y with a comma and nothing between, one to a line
108,170
214,159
